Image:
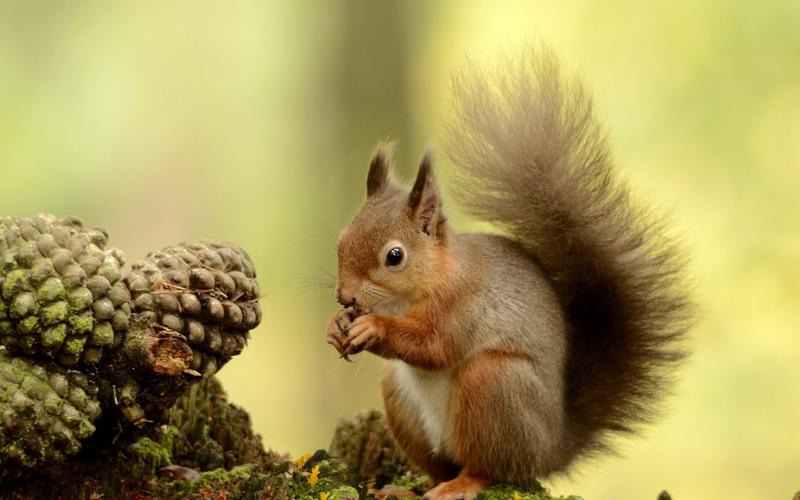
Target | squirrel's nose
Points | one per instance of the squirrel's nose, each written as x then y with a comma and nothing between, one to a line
344,299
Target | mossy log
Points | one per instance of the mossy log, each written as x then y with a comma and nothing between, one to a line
206,449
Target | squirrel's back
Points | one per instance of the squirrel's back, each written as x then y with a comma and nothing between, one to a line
533,160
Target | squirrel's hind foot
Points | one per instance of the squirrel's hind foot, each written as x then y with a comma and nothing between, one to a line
463,487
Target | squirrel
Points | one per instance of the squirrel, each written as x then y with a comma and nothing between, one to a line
511,355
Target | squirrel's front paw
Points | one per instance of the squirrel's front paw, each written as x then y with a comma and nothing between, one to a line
337,330
364,333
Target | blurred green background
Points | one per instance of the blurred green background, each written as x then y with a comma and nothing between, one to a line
253,121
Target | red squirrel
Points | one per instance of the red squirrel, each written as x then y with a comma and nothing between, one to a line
511,355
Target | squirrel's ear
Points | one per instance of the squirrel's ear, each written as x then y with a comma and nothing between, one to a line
378,176
425,201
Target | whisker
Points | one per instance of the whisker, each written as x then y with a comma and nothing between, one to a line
314,283
313,286
377,292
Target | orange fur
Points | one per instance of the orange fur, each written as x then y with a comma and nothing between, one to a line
464,487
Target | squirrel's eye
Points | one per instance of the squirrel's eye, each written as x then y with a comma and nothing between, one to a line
394,256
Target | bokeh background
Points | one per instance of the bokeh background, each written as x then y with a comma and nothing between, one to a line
253,122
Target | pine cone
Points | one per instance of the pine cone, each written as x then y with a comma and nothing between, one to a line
45,412
78,336
205,290
61,292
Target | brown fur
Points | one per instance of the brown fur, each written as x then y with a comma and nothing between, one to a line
542,342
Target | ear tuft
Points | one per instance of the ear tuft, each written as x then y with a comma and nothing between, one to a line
423,174
424,201
378,176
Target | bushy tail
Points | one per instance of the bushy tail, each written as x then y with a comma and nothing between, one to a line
532,159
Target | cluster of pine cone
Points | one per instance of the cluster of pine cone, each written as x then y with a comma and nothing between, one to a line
85,343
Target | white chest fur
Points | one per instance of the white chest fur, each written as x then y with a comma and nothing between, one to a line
428,394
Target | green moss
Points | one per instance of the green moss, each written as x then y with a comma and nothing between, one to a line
102,334
240,482
344,493
8,257
50,290
420,483
413,482
220,433
74,346
28,325
168,435
52,403
14,283
46,426
54,313
26,342
34,387
151,454
223,475
84,429
23,305
81,325
80,299
505,492
53,337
